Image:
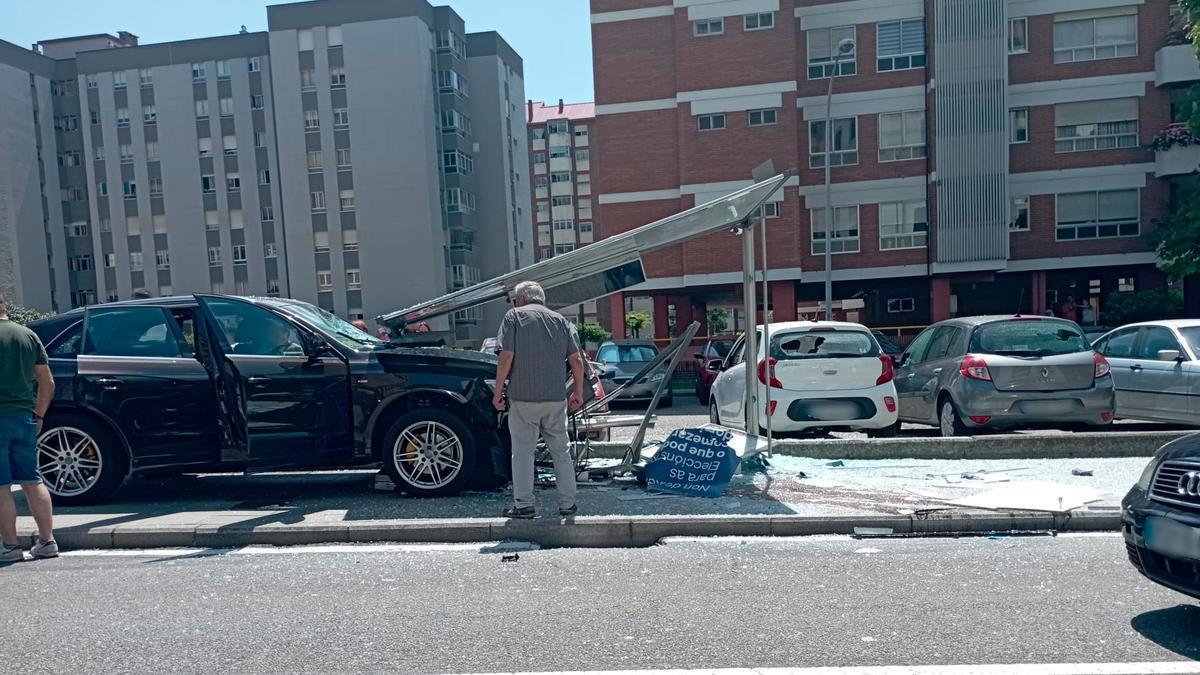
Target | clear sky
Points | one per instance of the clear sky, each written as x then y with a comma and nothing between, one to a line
552,36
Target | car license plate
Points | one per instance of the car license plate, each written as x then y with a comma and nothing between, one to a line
1172,538
1059,407
833,411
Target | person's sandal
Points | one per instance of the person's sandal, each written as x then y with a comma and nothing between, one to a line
570,511
520,512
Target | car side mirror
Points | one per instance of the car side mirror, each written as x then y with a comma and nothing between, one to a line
715,366
318,349
1170,355
900,360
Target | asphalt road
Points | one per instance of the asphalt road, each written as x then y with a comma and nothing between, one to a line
684,604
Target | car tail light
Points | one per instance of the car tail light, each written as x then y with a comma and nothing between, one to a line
1106,417
762,372
888,371
975,368
1102,366
771,405
980,419
890,403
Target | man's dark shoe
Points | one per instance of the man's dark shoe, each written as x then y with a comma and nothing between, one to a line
569,511
520,513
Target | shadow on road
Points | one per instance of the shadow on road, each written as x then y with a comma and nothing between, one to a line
1172,628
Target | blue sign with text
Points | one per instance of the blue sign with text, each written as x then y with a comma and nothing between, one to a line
693,462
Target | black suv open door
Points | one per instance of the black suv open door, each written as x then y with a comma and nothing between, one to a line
285,395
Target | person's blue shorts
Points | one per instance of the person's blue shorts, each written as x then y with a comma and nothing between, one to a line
18,450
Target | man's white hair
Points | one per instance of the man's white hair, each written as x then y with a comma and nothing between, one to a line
531,292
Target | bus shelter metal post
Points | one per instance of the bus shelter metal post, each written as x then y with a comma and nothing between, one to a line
634,452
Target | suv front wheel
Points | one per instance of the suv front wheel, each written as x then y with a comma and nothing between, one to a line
81,461
429,453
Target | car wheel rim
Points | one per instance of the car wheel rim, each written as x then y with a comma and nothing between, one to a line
947,419
69,461
428,455
712,414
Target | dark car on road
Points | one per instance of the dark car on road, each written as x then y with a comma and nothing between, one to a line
708,361
621,360
1161,517
220,383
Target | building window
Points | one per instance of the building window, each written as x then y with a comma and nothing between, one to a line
562,200
353,280
119,79
270,250
264,177
1097,215
266,213
845,143
122,117
260,139
80,263
450,81
77,230
583,156
455,122
558,151
459,200
1018,35
211,220
317,201
156,187
1018,214
845,230
236,220
308,79
214,256
902,225
768,210
151,150
133,226
239,254
226,107
1096,125
349,240
90,81
759,21
256,101
762,118
558,126
98,153
136,262
333,36
229,145
102,189
901,135
538,133
110,260
162,259
822,48
314,160
1018,125
223,70
457,162
233,182
199,72
312,119
72,158
560,177
337,77
346,200
204,147
321,242
254,64
126,151
1125,285
273,287
562,225
304,39
341,117
202,108
94,116
560,249
129,187
710,122
705,27
539,158
343,157
899,305
67,123
324,281
900,44
1107,37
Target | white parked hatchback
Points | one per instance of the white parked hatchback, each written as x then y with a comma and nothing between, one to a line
822,375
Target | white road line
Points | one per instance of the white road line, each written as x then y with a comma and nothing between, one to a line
1160,668
494,547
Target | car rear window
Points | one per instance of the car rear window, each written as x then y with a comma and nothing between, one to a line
1024,337
627,354
1192,335
831,344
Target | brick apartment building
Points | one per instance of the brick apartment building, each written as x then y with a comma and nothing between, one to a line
988,155
561,187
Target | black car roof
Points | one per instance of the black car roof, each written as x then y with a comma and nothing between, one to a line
167,301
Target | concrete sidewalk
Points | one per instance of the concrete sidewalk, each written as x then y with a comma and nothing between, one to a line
794,497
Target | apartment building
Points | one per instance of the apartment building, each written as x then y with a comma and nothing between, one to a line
331,158
560,154
986,156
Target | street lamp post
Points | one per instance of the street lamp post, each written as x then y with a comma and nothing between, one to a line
844,47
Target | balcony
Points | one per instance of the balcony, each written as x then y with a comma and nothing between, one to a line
1176,152
1176,63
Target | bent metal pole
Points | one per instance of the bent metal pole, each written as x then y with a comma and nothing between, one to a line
749,307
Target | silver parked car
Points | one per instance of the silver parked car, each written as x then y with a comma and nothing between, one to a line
622,359
1003,372
1156,369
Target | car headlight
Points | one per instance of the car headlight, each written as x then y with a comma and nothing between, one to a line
1148,475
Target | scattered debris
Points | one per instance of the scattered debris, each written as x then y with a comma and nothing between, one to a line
1032,496
872,531
836,463
1082,472
642,496
868,550
510,557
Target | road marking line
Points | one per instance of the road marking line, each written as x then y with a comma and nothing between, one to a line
1160,668
492,547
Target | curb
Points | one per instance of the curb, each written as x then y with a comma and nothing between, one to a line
585,532
1066,446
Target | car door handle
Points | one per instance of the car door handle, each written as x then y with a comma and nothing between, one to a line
1135,367
109,383
257,381
910,376
937,371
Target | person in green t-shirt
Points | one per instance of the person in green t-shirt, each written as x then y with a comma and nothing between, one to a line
26,388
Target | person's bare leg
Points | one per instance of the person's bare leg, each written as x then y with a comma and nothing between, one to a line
38,498
8,516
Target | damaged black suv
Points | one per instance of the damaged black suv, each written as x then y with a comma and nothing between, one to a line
219,383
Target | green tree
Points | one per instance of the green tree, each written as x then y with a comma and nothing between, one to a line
592,333
718,321
1177,239
25,315
636,321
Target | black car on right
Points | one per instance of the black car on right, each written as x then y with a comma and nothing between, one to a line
1161,517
